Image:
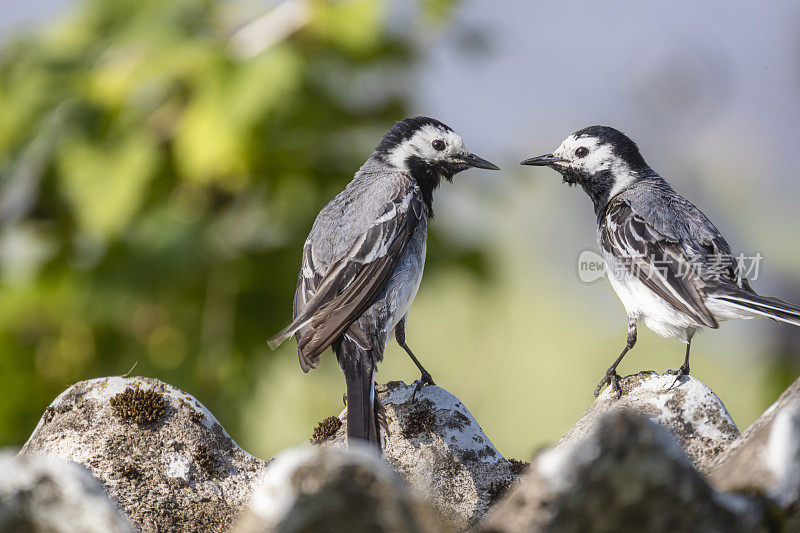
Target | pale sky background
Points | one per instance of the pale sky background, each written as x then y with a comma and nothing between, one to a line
709,90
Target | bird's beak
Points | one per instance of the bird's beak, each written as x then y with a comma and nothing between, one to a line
473,160
547,160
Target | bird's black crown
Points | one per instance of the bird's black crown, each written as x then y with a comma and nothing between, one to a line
404,130
621,144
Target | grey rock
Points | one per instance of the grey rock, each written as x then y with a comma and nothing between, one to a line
690,411
163,457
766,458
625,474
438,448
330,489
46,494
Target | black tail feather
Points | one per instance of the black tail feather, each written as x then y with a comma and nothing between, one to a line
362,422
766,306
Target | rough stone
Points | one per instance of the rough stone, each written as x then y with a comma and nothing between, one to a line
690,411
336,490
53,495
436,445
625,474
163,457
766,458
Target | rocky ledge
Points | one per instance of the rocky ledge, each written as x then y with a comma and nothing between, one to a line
162,457
119,454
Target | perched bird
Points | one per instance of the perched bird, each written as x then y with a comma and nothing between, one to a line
362,262
667,262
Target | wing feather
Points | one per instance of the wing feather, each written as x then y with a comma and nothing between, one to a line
327,304
659,262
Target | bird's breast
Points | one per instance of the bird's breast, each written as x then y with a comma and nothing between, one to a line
404,282
641,303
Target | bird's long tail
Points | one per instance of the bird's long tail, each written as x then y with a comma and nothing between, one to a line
362,422
766,306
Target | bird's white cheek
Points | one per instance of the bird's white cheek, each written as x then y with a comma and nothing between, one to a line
399,155
622,179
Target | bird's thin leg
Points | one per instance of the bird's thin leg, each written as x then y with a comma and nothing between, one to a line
400,336
611,377
684,369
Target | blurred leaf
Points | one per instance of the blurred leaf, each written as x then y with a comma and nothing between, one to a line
157,188
438,11
212,139
355,25
105,183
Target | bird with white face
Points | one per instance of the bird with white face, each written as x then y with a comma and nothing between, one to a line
362,262
667,262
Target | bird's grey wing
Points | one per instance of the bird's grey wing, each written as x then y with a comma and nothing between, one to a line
659,262
679,220
308,281
327,305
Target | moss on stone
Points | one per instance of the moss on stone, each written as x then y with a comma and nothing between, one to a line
197,417
131,472
517,466
139,406
206,460
418,421
325,430
497,489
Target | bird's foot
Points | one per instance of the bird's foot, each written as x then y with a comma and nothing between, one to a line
426,379
611,378
682,371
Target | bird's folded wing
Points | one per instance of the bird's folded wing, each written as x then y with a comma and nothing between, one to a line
656,260
326,304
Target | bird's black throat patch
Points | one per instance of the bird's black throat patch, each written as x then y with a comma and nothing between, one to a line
598,186
428,176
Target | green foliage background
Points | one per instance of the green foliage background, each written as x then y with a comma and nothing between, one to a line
156,183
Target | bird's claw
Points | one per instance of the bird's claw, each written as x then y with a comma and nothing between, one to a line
611,378
682,371
426,379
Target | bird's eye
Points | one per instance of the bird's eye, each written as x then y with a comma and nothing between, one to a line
438,145
582,151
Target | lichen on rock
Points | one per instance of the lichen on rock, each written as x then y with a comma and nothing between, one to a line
690,411
418,420
766,459
47,494
438,447
335,489
624,474
163,458
167,464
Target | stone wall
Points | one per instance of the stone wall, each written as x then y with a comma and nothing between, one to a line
121,454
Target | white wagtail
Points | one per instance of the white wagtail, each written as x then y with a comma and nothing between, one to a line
363,260
667,262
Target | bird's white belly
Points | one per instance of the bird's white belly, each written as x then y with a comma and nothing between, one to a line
406,294
643,304
405,280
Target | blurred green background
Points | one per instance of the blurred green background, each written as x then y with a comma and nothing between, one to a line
161,163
